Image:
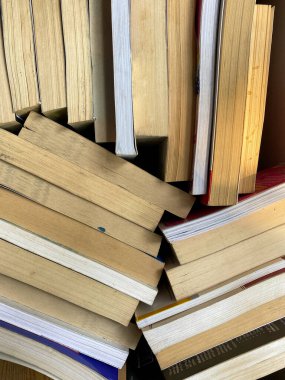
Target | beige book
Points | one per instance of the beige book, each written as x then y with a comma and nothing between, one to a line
149,68
76,33
217,239
79,247
65,313
20,55
79,209
106,165
50,57
7,116
251,320
65,283
201,274
45,359
102,70
77,181
231,99
259,60
181,97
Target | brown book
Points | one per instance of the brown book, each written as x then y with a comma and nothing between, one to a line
231,99
97,160
65,283
79,209
76,33
181,51
20,55
50,57
7,116
259,60
77,181
253,319
79,247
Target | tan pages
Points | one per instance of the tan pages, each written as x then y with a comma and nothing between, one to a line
102,70
20,55
181,52
75,20
50,57
259,60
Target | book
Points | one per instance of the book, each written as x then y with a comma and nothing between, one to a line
20,55
76,34
227,136
10,366
50,57
261,38
248,321
121,40
209,230
106,165
66,283
181,66
102,70
240,358
78,247
209,15
62,201
7,116
77,181
48,316
216,312
50,356
208,271
166,306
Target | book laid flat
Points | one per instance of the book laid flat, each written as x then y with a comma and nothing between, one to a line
102,70
209,19
79,247
10,366
209,230
51,358
7,116
259,60
239,358
122,58
78,181
166,306
231,98
181,64
50,57
104,164
216,312
79,209
20,55
65,283
248,321
201,274
49,316
76,34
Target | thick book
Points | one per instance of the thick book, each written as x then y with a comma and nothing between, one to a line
227,136
259,61
51,356
66,283
7,116
76,246
106,165
216,312
209,230
233,358
181,68
20,55
50,57
76,34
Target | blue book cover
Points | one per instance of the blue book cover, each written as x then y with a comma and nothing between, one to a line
103,369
